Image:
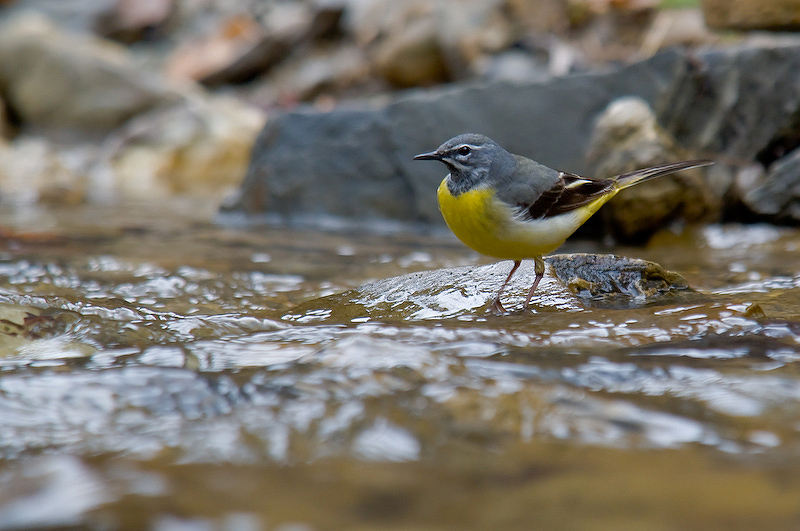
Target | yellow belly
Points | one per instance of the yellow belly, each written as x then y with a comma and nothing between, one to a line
489,226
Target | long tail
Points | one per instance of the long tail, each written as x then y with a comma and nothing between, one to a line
635,177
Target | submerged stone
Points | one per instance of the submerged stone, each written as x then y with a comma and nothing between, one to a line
571,282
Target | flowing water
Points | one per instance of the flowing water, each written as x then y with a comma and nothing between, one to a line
154,373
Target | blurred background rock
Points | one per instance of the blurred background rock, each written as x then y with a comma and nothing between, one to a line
151,98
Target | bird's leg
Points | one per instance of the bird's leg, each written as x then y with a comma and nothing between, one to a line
539,268
496,305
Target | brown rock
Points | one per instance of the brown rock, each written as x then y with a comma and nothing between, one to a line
326,20
368,21
243,48
31,172
200,146
412,57
539,15
5,125
320,70
627,137
201,58
130,21
473,32
609,276
676,27
287,25
62,81
258,59
752,14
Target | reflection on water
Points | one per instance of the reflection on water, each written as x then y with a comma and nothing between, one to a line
155,371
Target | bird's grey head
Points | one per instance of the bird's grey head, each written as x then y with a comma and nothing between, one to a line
471,159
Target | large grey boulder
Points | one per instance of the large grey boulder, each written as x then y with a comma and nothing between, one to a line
307,167
742,103
357,162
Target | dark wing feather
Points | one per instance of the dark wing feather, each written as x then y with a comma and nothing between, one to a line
544,193
579,191
569,192
544,202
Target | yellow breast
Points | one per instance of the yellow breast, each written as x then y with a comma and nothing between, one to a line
489,226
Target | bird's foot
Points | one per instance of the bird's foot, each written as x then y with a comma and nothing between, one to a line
497,307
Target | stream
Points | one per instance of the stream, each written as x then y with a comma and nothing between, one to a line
155,374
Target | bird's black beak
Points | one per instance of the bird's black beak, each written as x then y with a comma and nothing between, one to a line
433,155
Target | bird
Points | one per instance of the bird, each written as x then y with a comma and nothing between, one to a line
510,207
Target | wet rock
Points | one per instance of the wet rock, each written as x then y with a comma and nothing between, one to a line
354,162
752,14
200,146
609,276
437,294
628,137
775,195
130,21
53,79
15,320
21,325
570,282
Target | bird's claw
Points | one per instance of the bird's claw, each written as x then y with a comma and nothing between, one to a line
497,307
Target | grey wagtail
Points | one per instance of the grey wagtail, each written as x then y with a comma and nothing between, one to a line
513,208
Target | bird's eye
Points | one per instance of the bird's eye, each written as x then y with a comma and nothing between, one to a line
464,150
